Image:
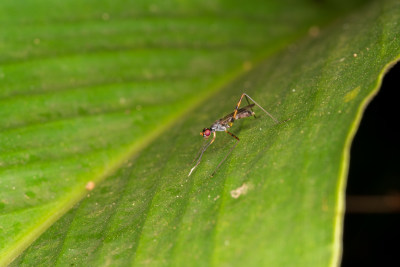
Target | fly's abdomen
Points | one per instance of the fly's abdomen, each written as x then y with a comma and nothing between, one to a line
244,114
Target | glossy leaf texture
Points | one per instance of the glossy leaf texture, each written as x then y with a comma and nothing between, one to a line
114,94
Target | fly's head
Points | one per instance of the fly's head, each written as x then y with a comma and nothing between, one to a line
206,133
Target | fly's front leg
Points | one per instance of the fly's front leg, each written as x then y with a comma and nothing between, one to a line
202,152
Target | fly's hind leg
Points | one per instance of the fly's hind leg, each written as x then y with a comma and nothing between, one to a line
247,98
248,102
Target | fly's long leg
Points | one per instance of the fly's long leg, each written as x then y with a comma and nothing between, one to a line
201,154
230,151
240,101
198,153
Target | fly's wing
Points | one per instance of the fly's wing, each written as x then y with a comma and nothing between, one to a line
241,113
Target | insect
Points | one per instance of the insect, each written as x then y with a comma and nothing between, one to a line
226,122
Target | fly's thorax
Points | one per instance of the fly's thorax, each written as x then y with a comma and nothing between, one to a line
218,127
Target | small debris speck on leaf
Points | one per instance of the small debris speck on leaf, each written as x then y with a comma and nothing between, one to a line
90,186
239,191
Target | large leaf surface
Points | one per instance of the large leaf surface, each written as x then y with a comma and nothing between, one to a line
96,92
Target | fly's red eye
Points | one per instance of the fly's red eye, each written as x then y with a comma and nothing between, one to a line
207,132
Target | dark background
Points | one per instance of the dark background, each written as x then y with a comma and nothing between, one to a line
372,219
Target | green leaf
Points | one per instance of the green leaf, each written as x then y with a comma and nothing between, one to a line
116,90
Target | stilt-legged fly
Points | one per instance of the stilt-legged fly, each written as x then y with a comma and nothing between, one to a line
226,122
